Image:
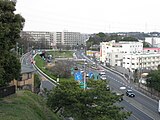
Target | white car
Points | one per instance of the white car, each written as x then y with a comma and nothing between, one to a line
102,73
103,77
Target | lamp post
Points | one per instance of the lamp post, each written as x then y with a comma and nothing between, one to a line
85,63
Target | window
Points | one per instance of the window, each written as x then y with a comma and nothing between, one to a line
133,64
116,56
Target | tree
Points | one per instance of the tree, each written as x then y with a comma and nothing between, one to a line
153,80
62,68
26,42
129,39
10,27
95,103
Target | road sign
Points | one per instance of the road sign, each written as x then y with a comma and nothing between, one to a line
78,76
90,74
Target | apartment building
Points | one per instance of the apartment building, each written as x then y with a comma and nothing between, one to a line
142,61
58,38
112,53
154,41
39,36
151,50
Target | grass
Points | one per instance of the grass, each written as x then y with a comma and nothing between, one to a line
40,63
25,105
62,54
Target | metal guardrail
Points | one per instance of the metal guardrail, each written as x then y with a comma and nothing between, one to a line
115,72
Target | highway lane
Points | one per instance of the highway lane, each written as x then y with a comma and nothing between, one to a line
143,104
141,101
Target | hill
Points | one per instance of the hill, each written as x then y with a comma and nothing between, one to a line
25,105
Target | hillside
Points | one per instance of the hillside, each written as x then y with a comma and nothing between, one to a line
25,105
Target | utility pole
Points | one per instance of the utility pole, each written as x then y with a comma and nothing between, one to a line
85,74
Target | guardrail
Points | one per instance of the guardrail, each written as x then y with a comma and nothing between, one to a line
41,72
116,72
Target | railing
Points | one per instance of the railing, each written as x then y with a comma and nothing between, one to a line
42,73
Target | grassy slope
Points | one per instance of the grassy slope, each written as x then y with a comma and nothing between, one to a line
25,105
41,63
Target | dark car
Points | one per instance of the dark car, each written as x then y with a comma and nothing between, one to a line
130,93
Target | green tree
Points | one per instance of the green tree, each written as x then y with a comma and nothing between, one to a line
95,103
129,39
37,83
153,80
11,25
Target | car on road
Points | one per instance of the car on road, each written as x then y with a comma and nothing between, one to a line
102,73
120,96
130,93
103,77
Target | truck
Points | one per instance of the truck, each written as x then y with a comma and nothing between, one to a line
159,106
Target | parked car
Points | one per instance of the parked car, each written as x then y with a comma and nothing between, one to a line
130,93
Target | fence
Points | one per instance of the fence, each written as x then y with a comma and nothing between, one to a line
8,90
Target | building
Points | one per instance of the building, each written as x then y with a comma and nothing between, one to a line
111,53
26,80
151,50
57,38
154,41
39,36
149,61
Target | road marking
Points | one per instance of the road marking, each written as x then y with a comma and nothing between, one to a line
137,106
132,115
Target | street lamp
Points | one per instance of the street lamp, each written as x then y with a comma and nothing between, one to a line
85,63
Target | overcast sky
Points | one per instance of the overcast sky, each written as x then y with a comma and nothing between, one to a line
90,16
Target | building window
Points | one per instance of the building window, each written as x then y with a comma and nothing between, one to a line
116,56
132,63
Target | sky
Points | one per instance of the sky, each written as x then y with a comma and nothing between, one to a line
90,16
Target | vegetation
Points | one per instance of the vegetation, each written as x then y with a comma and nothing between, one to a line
37,83
61,54
41,64
96,103
153,80
102,37
61,69
10,27
25,105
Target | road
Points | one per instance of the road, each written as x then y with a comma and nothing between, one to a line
142,107
26,61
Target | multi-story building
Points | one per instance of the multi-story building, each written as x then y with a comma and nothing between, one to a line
111,53
56,38
142,61
39,36
154,41
151,50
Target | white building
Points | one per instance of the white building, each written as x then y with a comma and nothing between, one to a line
111,53
141,61
154,41
55,38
